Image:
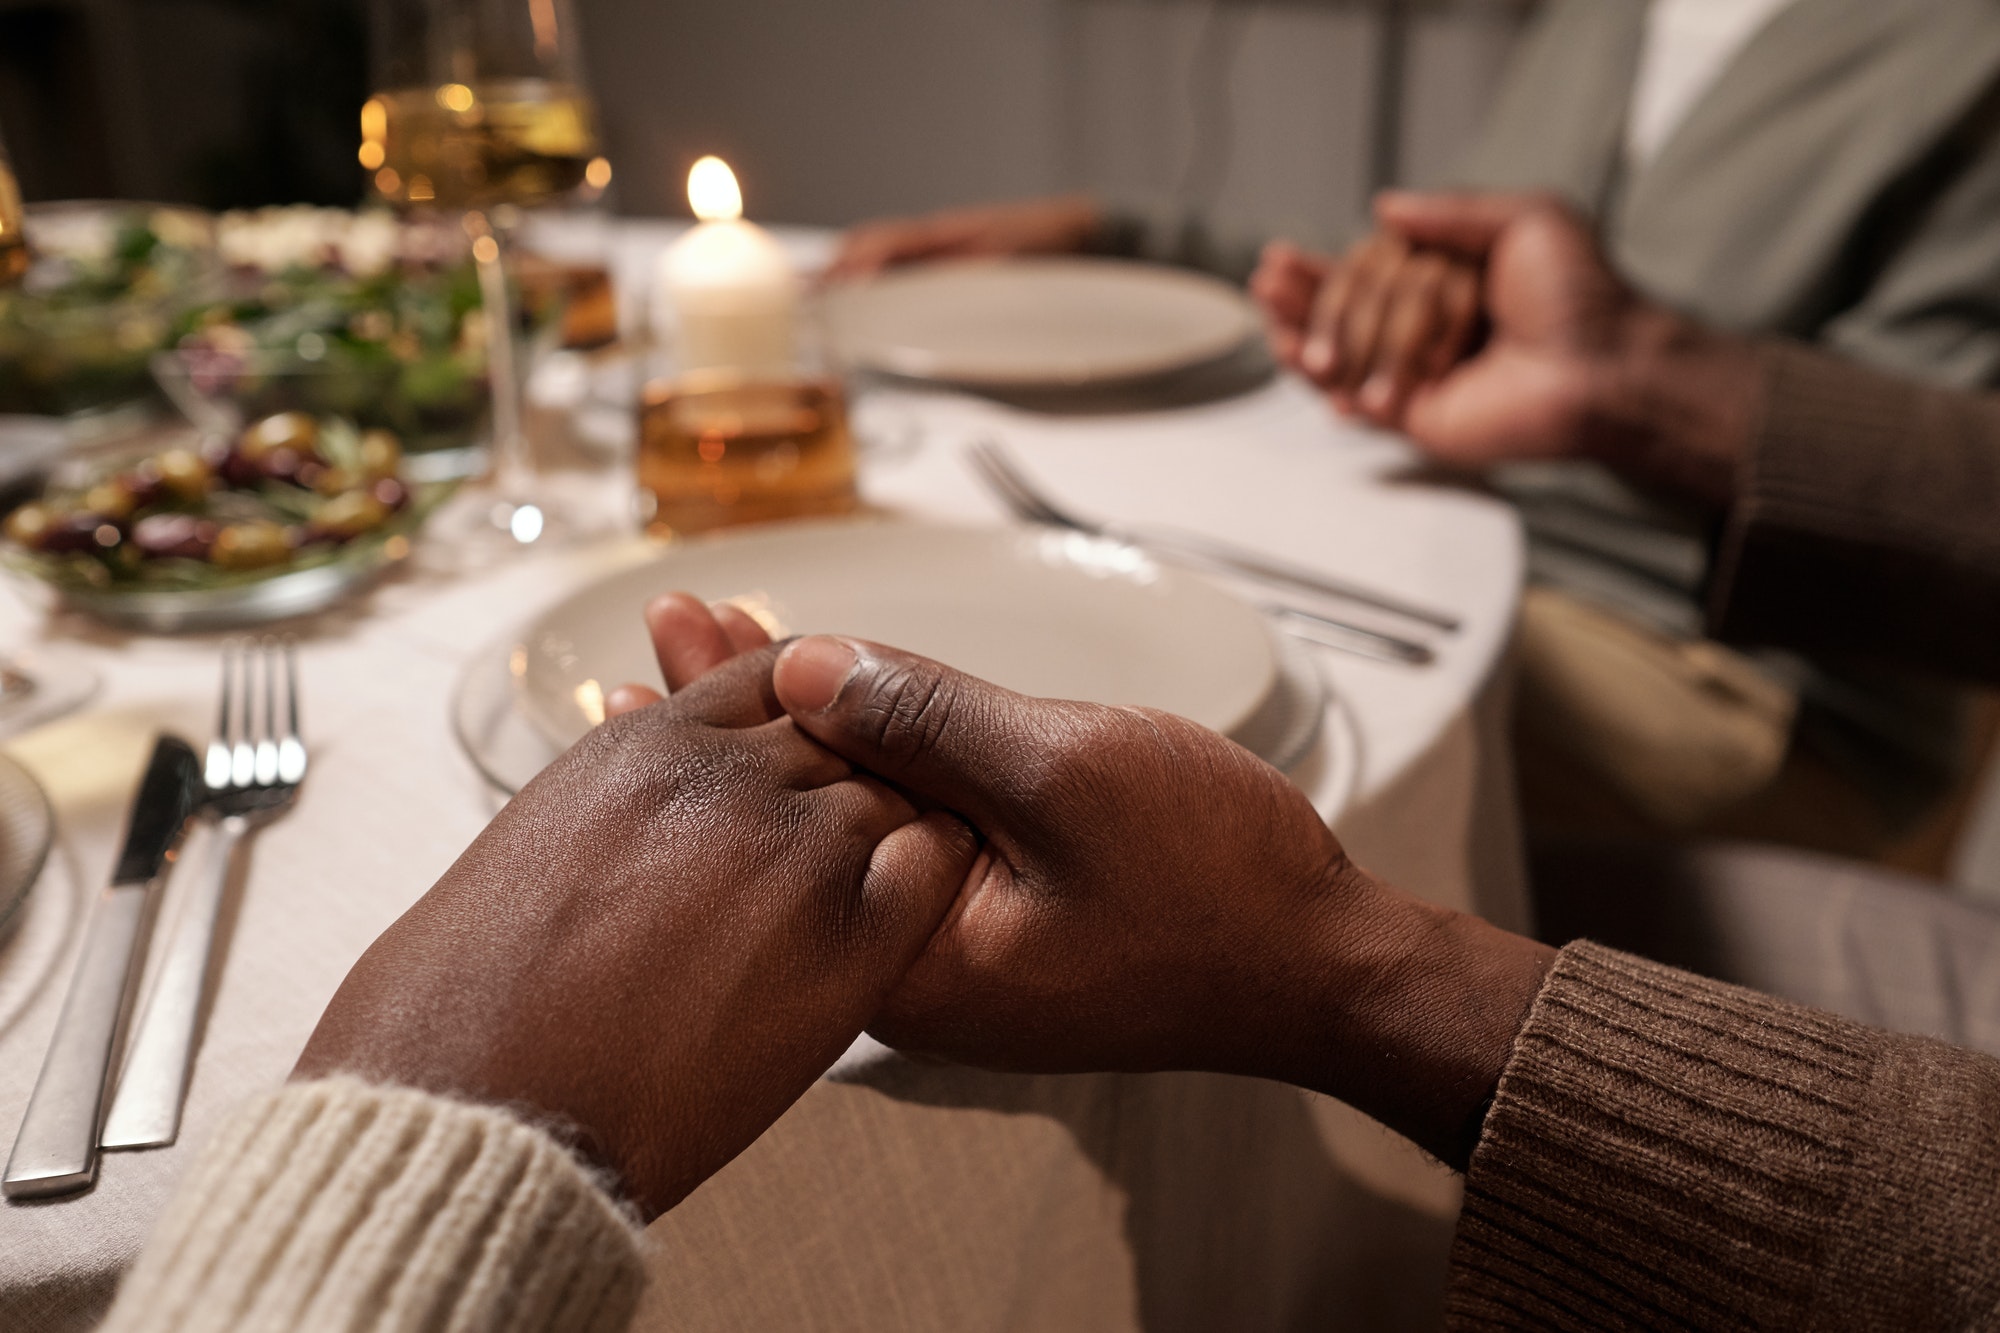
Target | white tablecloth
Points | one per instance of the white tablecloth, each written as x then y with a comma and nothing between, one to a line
391,801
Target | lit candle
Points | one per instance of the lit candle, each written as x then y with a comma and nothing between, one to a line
727,293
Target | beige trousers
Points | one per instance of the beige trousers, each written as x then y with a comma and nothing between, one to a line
1676,729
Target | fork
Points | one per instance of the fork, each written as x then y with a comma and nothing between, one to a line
1026,503
1011,484
252,773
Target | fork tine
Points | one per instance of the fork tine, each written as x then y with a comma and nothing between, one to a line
243,758
215,772
1029,500
1009,487
998,484
987,457
291,746
267,724
291,687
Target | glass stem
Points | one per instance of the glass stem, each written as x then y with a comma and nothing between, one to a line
513,464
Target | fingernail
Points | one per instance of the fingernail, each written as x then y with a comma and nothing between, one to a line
626,698
1375,394
1319,356
812,671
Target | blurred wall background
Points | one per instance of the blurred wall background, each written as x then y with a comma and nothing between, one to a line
1267,115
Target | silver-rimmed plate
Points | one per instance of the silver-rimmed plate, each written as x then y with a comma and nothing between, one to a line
509,747
27,826
1051,614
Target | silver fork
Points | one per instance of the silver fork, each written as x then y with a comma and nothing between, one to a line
253,770
1007,481
1014,490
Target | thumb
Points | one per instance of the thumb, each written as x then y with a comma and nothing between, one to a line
1466,223
940,733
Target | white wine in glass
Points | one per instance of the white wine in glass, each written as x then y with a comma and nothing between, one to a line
481,110
525,142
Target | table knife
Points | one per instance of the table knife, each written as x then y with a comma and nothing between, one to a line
56,1149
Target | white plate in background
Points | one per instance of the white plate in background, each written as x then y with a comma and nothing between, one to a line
1045,323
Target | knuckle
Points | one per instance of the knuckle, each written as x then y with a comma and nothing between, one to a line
654,760
909,711
1091,741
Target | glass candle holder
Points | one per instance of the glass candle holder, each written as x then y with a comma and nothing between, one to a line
745,420
719,447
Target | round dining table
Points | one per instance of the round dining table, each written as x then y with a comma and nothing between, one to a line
895,1195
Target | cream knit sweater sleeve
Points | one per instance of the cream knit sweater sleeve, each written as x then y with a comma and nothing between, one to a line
338,1205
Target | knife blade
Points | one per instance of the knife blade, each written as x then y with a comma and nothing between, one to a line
55,1151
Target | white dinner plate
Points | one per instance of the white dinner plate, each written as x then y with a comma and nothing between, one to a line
1294,729
1026,324
26,828
1044,612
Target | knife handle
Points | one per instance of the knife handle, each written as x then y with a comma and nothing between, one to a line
56,1150
146,1112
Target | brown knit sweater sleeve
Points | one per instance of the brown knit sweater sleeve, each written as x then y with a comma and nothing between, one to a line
1668,1152
1867,520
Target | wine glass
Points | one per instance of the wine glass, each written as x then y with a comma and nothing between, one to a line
481,109
34,687
13,243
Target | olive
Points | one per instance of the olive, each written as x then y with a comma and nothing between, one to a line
287,430
184,535
70,533
392,493
335,480
143,484
30,525
240,471
250,545
281,464
381,454
186,474
348,515
111,500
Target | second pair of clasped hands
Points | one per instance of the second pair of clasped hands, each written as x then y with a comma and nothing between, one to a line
670,934
1486,328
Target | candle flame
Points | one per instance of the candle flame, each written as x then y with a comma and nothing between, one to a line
712,191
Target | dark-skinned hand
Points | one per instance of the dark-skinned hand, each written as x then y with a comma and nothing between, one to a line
1573,363
1371,326
1028,227
1150,896
662,941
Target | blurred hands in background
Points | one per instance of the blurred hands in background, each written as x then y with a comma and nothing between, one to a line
1030,227
1474,323
1491,329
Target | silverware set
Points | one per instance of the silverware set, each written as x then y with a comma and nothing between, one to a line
251,774
1030,503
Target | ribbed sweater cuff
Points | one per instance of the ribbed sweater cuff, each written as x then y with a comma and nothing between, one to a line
1863,519
340,1205
1664,1151
1824,447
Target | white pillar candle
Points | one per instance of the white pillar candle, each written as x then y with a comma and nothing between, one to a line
727,293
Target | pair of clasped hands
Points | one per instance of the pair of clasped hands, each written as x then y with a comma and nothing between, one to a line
674,930
1484,327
